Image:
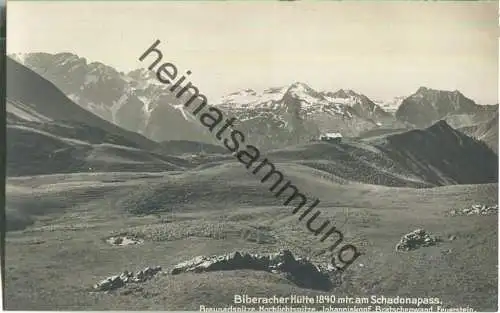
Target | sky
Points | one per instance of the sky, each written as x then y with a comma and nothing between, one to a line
381,49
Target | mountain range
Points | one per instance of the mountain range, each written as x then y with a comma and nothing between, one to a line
272,118
49,133
427,105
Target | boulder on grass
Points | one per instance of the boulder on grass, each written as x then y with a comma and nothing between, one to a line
416,239
110,283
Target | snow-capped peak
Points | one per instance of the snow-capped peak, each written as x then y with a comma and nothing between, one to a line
299,90
141,74
305,95
345,96
248,98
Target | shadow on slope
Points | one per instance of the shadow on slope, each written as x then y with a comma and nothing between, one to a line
32,151
177,147
486,132
442,155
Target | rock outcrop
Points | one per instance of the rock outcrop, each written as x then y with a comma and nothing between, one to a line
300,271
124,241
476,209
416,239
118,281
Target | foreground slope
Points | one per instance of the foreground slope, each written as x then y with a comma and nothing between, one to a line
212,220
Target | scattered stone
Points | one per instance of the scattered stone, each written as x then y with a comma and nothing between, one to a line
299,270
452,237
476,209
126,276
447,251
146,274
123,240
110,283
416,239
118,281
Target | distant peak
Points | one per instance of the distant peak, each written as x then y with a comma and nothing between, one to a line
299,85
430,90
247,91
345,93
275,90
66,55
298,88
440,125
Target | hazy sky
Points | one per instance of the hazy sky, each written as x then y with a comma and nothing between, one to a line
381,49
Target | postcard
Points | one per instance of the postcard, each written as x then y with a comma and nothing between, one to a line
251,156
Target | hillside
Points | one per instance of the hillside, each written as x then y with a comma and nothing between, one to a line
486,132
438,155
48,133
212,220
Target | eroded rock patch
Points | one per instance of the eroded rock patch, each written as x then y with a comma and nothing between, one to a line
124,240
120,280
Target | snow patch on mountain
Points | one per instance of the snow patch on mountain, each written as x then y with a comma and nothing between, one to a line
19,57
117,105
25,112
186,116
346,97
146,108
89,79
390,105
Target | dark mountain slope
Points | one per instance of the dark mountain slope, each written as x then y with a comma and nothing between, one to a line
48,133
443,155
32,151
37,94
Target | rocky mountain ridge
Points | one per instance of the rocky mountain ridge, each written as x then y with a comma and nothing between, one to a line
426,106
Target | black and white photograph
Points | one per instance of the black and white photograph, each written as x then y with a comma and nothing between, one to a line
266,156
